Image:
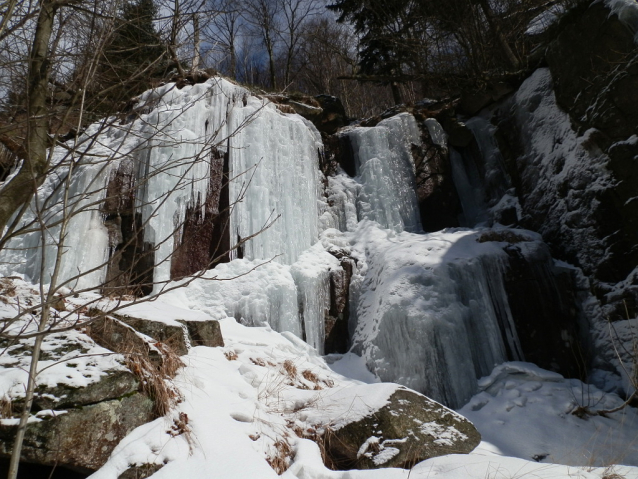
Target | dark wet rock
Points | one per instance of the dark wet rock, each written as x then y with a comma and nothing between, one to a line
324,111
130,267
203,240
593,62
333,116
459,135
338,152
543,301
337,339
473,102
439,205
204,333
81,438
409,429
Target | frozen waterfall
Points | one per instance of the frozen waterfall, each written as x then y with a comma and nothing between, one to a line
426,310
431,310
385,169
167,152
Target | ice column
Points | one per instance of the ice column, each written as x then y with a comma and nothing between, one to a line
312,277
385,169
275,187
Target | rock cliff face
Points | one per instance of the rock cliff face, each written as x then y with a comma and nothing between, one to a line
569,138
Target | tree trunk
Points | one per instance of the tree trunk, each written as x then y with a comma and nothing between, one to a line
35,164
197,42
172,47
233,59
271,63
28,400
396,93
487,11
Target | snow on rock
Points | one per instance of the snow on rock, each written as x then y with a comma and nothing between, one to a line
242,403
627,11
69,360
557,159
408,429
527,412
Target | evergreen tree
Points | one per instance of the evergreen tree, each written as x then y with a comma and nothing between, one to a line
432,41
135,54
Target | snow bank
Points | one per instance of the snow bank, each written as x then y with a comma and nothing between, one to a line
265,388
524,411
262,389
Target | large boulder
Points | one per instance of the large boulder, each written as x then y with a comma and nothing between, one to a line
113,385
410,428
80,438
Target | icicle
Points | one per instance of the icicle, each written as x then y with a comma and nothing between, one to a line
274,162
312,277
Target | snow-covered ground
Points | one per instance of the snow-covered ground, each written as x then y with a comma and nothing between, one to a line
263,388
260,398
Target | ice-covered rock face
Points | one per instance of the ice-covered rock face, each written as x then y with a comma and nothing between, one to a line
431,310
166,154
385,169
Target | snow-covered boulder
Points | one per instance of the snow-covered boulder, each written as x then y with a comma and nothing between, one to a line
409,429
78,438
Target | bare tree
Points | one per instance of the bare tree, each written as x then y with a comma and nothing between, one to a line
328,51
263,17
295,14
225,28
65,182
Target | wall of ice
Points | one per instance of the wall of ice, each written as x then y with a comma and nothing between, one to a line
274,184
65,212
385,171
431,310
